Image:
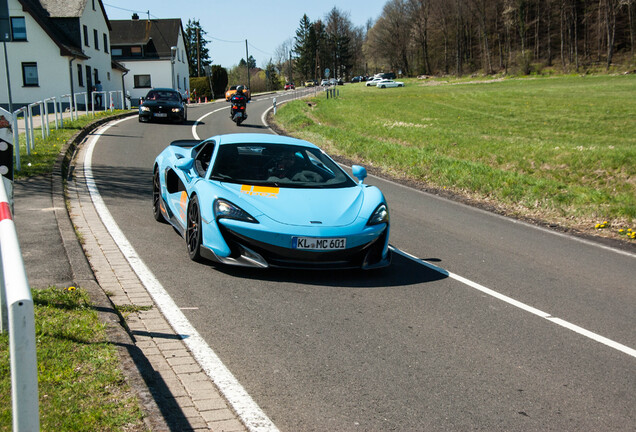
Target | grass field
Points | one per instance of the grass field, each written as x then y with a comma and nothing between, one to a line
560,149
81,386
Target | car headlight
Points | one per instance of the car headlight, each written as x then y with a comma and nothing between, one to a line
380,215
176,109
225,209
144,108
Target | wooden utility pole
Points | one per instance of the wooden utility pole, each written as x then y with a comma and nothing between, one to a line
198,53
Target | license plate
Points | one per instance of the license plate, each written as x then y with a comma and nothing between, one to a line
161,115
318,243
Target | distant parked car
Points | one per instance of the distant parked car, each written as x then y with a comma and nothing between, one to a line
389,83
324,82
290,86
373,82
163,104
309,83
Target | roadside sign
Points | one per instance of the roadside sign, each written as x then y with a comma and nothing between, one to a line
327,72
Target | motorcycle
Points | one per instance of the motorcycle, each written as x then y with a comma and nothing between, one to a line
238,113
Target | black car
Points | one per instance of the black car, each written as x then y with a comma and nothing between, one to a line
163,104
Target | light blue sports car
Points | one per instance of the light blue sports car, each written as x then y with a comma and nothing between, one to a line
262,200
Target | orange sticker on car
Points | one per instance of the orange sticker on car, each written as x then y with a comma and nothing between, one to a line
183,202
264,191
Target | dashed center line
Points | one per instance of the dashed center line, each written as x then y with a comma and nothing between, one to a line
516,303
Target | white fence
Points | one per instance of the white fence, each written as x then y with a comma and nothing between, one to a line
16,309
110,100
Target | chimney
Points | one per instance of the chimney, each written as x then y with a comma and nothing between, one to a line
135,17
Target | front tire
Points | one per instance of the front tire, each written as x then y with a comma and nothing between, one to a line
193,230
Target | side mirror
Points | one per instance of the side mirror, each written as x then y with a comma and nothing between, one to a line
359,172
185,164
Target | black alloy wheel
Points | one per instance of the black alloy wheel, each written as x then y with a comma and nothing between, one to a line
156,198
193,230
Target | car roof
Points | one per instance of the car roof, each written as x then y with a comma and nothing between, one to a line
256,138
164,89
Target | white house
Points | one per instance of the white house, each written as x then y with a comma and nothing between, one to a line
155,53
55,47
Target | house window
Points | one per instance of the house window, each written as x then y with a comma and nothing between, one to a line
105,43
142,81
30,74
183,59
135,51
117,52
178,82
80,76
108,76
86,36
18,29
96,39
94,5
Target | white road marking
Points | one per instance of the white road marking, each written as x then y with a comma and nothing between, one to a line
249,412
596,337
196,123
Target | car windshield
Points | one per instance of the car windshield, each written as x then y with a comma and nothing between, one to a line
163,95
278,165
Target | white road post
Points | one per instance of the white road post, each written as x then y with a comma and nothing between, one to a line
21,323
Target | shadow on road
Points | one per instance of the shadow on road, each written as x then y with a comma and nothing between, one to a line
401,272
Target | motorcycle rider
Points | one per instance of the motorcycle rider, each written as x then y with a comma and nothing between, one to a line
238,99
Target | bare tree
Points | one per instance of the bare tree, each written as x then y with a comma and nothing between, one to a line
420,10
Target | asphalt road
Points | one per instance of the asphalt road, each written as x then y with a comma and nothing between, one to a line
410,347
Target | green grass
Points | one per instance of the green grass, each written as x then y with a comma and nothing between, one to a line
45,151
81,386
560,149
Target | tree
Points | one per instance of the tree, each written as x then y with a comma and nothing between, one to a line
251,62
219,80
305,48
339,30
389,40
196,46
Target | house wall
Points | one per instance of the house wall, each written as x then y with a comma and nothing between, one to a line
160,71
52,67
40,49
99,59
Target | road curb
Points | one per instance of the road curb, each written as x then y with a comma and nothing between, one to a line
130,359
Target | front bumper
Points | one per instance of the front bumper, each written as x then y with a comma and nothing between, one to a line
249,252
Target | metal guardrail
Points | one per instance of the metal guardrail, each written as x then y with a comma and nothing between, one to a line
16,308
111,100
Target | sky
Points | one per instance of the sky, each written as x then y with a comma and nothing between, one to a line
265,24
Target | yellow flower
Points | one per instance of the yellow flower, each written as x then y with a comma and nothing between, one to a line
621,231
71,288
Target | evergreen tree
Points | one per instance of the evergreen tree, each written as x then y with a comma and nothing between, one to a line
305,48
203,54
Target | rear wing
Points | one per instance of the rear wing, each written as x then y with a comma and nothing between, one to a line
186,143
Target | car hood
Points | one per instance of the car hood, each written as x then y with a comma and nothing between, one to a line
301,207
154,103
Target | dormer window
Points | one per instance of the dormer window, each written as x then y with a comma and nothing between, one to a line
18,29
